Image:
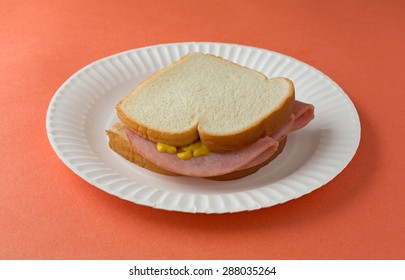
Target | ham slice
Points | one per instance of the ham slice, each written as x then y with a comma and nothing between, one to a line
215,164
303,114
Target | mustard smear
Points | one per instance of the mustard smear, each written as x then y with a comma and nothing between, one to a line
196,149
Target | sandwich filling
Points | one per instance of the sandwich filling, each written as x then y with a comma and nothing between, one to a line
215,164
196,149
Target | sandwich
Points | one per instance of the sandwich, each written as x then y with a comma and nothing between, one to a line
204,116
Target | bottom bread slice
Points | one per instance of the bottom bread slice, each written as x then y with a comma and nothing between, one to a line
119,143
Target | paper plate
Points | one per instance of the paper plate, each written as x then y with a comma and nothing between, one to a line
84,107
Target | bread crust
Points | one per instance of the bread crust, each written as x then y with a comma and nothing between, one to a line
120,144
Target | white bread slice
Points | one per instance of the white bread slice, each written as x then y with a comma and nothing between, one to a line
203,96
120,144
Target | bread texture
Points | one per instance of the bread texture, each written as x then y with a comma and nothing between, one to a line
225,105
119,143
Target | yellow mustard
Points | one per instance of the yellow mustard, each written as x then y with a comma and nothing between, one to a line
201,151
186,155
192,147
196,149
166,148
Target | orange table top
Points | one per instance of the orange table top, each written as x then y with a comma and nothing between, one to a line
48,212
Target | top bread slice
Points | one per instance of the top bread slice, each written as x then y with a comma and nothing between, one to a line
200,96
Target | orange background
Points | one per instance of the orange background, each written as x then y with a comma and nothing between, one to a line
47,212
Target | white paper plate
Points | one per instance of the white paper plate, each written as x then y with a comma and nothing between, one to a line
84,107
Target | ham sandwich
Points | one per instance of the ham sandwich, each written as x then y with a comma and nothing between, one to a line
236,148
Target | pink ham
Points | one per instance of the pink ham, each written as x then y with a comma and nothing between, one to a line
278,136
215,164
303,114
